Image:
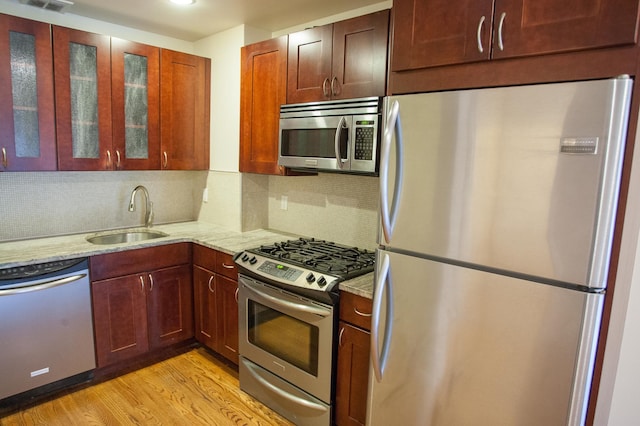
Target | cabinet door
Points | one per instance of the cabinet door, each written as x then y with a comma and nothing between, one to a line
119,318
309,65
170,306
263,88
27,126
227,317
135,71
204,287
352,375
530,27
82,70
359,65
184,111
429,33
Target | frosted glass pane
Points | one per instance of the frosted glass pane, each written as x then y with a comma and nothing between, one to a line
24,90
83,66
136,106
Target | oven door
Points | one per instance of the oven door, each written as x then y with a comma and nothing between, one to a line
288,335
316,142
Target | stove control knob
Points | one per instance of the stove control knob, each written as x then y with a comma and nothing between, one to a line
245,257
310,278
253,260
322,282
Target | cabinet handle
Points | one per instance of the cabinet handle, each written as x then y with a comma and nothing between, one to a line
340,336
500,26
226,266
478,34
117,158
5,163
212,290
362,314
108,159
325,92
150,282
164,154
236,295
334,80
141,282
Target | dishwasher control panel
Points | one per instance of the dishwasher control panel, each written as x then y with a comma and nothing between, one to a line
29,271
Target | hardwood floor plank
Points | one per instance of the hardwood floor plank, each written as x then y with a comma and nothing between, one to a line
194,388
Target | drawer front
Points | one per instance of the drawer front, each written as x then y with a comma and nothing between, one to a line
204,257
226,266
355,310
135,261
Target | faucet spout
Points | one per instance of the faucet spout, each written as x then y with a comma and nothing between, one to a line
148,218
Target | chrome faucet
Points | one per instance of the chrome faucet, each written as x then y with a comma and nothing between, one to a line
148,218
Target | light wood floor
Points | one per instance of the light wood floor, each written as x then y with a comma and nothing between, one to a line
190,389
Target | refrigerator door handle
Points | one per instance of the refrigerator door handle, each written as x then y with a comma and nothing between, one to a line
388,214
379,356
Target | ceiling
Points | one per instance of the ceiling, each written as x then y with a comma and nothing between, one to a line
207,17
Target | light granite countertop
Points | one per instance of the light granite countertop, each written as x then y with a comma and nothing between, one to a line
40,250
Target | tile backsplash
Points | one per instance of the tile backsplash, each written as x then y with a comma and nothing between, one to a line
43,204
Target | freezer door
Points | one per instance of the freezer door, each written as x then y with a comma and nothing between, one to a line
523,179
470,347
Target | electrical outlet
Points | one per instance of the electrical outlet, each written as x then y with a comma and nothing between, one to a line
205,195
283,202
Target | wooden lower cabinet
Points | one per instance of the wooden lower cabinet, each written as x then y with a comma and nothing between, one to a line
216,301
141,311
353,360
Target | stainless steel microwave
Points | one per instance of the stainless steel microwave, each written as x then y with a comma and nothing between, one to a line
335,136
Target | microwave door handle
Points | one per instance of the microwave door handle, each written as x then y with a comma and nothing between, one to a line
341,124
388,213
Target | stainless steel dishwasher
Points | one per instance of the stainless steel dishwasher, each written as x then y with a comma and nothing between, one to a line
46,328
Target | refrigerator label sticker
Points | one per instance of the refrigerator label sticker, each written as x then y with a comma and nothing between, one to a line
579,145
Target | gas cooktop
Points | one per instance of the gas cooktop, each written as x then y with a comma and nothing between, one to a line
306,263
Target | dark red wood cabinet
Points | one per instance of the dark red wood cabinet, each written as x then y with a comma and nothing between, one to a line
142,300
430,33
27,116
216,301
352,376
347,59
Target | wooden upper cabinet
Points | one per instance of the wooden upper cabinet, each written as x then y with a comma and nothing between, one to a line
359,64
184,111
531,27
339,61
430,33
263,88
27,119
135,87
82,69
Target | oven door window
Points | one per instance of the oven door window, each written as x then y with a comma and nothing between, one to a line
283,336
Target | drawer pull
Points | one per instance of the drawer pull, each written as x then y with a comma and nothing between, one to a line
340,336
224,265
362,314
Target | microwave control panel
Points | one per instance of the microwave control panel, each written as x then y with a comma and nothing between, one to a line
364,139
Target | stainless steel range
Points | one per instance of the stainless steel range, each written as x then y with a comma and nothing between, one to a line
288,298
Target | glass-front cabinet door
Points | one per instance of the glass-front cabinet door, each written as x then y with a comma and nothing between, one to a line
135,104
27,126
83,100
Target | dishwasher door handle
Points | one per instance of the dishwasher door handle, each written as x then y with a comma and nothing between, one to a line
28,288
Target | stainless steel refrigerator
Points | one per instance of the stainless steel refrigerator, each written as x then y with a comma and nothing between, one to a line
497,215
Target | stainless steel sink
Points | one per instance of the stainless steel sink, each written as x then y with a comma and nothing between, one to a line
131,236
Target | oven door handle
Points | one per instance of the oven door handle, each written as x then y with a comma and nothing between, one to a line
283,394
289,305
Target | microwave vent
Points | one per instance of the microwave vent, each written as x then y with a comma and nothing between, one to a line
54,5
